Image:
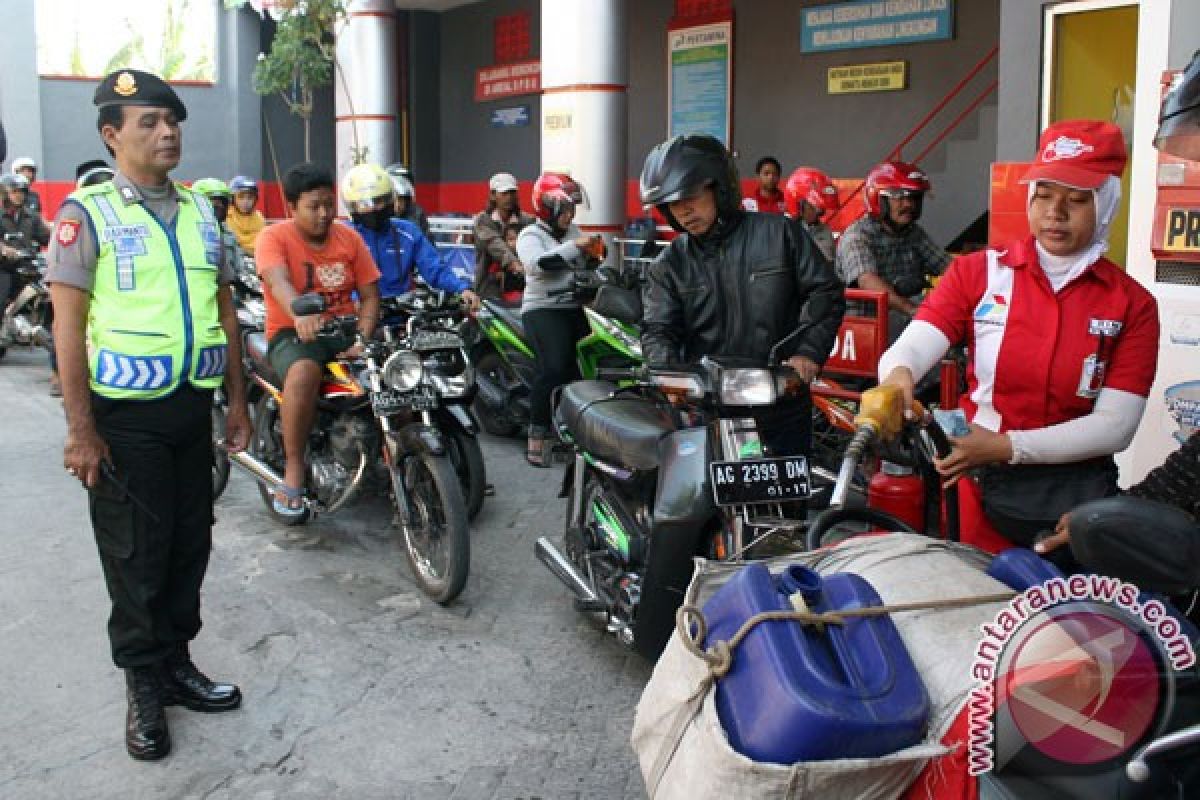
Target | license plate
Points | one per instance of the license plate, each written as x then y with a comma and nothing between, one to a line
760,480
435,340
389,401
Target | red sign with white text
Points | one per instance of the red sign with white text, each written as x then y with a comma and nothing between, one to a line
508,80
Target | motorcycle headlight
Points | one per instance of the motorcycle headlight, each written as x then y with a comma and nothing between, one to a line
402,370
747,387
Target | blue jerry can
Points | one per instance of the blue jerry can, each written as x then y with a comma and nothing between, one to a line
1020,568
799,693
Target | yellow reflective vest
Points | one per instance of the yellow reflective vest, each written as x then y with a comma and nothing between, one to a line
153,321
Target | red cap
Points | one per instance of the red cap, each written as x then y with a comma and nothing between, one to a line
1081,153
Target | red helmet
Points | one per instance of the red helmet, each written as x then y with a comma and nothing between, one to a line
895,176
554,193
809,185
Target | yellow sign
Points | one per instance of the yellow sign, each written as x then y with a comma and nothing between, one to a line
887,76
1182,230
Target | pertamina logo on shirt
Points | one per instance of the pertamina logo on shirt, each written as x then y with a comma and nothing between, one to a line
1065,147
992,310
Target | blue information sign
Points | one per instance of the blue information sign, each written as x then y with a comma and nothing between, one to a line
515,117
699,87
874,23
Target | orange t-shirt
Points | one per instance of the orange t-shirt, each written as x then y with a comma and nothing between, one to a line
335,269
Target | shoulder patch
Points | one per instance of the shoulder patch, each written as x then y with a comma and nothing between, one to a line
67,232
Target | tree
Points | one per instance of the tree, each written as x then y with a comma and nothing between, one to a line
302,55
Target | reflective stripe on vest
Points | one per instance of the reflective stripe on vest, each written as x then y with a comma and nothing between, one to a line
153,319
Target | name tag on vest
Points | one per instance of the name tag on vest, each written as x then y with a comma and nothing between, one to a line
128,241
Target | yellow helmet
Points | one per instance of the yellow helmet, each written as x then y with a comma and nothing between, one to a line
364,186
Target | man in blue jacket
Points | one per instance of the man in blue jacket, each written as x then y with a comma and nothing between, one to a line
397,245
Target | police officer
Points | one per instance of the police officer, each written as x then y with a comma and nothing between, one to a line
144,327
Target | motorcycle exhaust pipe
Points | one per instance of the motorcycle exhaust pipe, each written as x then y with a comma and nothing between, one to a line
564,570
256,467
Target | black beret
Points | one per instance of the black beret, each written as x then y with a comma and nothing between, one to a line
132,87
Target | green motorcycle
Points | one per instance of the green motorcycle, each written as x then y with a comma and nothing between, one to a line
504,359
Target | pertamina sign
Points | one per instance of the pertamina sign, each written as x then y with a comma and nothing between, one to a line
1182,231
508,80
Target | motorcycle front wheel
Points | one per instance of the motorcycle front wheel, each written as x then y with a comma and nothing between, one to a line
467,457
220,464
491,367
436,541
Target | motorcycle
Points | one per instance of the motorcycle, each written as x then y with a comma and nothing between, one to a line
27,320
505,362
665,469
432,319
252,316
375,423
1108,537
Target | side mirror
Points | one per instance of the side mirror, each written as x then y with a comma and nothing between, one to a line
1153,545
623,305
308,304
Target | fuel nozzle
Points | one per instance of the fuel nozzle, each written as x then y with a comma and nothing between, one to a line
880,417
881,410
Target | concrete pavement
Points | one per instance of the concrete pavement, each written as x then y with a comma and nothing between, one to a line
356,686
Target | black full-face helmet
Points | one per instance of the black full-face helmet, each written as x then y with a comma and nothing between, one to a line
1179,123
681,167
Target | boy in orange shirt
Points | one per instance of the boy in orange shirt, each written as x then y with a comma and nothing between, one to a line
310,253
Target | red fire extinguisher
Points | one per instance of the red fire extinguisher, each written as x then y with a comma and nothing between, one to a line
895,489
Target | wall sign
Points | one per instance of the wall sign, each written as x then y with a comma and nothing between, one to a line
1182,234
699,79
887,76
515,117
874,23
508,80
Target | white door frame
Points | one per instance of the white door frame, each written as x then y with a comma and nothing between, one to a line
1049,19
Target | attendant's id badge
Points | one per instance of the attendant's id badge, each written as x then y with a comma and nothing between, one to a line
1091,379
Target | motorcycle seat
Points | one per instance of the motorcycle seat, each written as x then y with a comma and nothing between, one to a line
509,316
255,345
623,430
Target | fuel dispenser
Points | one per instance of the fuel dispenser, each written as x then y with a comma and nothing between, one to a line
1173,412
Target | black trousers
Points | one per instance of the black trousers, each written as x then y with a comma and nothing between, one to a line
553,332
153,570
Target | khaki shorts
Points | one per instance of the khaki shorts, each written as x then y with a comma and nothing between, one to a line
286,349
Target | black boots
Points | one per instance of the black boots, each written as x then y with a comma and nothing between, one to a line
174,681
146,736
184,685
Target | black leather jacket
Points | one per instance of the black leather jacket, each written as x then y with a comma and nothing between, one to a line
32,229
738,290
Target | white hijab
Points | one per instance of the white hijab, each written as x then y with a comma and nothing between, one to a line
1061,270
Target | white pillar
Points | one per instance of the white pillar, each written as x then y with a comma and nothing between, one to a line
585,74
365,85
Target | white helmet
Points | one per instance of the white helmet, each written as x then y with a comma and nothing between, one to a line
23,162
403,186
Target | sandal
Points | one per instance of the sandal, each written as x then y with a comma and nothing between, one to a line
288,501
537,455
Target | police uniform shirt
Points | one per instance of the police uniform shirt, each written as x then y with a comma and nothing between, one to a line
73,247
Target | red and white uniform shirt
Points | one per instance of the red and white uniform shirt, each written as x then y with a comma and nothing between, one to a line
765,203
1037,358
1033,353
